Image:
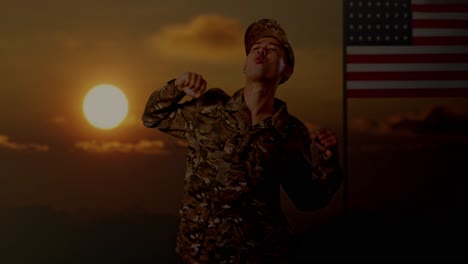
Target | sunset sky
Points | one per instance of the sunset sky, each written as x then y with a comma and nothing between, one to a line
53,52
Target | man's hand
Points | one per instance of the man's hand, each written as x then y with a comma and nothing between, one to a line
326,142
191,83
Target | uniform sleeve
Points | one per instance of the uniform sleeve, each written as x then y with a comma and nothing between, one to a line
165,112
310,186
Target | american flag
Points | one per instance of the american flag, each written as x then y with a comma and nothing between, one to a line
406,48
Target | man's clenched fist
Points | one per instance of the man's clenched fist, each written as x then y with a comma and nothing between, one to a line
326,140
191,83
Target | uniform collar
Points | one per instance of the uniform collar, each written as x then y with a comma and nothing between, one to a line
279,120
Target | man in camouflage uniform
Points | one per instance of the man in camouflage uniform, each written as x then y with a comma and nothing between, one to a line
241,149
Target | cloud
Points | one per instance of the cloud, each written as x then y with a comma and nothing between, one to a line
368,125
207,37
5,142
140,147
434,120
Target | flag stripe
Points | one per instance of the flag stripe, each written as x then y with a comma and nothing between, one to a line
410,58
407,84
447,92
428,23
436,2
424,32
440,8
440,16
406,50
353,76
449,41
411,67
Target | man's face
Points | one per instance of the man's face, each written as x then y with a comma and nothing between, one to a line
265,61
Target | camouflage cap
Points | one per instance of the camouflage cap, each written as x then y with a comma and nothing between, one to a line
269,28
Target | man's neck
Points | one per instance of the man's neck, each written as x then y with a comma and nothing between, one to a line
259,98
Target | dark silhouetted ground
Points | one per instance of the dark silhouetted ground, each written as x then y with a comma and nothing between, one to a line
44,235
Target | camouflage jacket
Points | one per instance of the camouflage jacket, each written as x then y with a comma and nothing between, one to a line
231,200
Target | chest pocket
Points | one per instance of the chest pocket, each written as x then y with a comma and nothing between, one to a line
205,141
209,157
257,152
207,124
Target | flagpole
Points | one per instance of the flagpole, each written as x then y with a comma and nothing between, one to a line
345,119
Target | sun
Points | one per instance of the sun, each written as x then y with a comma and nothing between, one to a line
105,106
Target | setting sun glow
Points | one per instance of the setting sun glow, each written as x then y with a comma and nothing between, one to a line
105,106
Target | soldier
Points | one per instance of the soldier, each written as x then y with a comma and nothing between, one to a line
241,149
